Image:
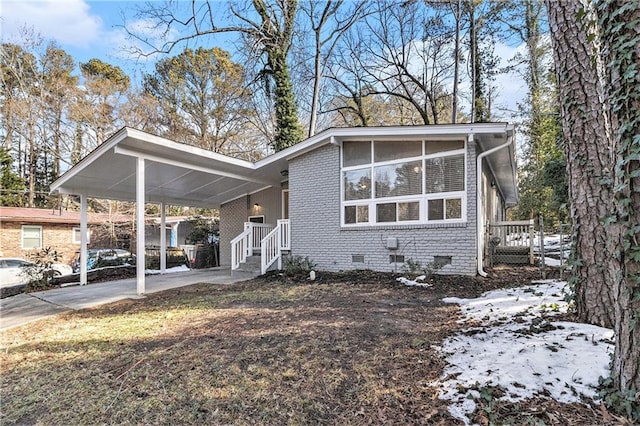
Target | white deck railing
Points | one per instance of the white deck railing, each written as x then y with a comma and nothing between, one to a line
513,234
273,244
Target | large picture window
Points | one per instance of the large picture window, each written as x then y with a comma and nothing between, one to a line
403,182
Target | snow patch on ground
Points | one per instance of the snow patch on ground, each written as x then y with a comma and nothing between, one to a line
414,283
181,268
510,345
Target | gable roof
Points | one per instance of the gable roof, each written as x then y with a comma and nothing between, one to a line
179,174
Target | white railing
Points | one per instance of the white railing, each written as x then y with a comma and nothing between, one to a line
258,232
258,236
285,234
273,244
240,248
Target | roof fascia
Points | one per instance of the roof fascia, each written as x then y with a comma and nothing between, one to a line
335,134
188,166
193,150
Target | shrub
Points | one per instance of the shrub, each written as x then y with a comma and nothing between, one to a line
40,272
296,265
415,267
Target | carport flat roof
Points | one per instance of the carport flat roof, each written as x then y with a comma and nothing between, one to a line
179,174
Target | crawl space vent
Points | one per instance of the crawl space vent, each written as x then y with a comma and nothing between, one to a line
357,258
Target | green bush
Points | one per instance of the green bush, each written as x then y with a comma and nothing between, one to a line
416,267
296,265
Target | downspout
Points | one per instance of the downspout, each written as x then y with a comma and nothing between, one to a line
480,205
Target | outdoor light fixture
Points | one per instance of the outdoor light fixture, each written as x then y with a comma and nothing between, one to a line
284,173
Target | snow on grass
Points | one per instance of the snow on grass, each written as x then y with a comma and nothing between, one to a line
510,345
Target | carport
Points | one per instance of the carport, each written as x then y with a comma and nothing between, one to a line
138,167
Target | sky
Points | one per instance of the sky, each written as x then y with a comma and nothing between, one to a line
93,29
84,29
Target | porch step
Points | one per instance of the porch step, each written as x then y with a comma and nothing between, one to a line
252,265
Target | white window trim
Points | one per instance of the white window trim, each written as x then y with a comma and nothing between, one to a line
421,198
73,235
22,237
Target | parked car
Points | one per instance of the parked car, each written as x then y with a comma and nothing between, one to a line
12,270
100,258
176,256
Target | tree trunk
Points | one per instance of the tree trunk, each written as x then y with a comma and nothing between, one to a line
289,131
620,37
456,66
588,162
317,70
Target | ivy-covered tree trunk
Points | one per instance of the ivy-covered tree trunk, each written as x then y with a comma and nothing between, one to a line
289,130
620,36
277,38
588,150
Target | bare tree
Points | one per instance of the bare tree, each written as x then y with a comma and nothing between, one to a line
329,20
269,25
411,51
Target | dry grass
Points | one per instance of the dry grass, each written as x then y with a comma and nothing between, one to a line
251,353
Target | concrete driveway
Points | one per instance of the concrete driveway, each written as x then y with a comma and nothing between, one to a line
25,308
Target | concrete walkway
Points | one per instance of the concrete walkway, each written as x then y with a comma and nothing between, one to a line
25,308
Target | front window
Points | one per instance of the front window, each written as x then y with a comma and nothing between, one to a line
31,237
77,236
403,182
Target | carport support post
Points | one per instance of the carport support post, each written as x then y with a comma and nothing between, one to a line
140,254
83,239
163,239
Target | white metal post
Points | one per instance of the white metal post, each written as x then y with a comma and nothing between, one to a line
163,239
83,239
140,238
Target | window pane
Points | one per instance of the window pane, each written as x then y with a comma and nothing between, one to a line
350,214
399,179
454,208
356,214
436,211
356,153
357,184
409,211
434,147
362,214
30,237
394,150
445,174
386,212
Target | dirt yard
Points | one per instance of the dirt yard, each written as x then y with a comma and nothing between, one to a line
349,349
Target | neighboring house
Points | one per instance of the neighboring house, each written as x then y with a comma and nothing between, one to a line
367,197
23,230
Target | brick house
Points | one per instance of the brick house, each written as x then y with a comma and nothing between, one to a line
348,198
23,230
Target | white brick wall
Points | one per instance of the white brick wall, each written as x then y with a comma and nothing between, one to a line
314,183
